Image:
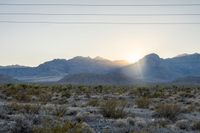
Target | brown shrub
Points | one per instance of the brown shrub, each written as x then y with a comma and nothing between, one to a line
114,108
143,102
169,111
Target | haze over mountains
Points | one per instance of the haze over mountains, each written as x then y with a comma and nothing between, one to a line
86,70
58,68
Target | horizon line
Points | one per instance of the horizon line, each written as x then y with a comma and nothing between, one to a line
23,65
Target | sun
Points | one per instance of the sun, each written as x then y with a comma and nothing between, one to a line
133,58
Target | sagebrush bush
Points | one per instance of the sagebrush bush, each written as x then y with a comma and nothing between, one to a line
66,94
67,127
93,102
56,129
24,108
143,102
169,111
114,108
60,111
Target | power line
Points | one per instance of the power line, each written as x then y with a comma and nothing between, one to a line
54,4
103,23
69,14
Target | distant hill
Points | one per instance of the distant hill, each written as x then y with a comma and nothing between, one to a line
6,79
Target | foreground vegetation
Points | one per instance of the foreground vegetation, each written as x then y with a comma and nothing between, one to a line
32,108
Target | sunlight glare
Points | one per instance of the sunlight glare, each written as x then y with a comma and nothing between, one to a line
133,58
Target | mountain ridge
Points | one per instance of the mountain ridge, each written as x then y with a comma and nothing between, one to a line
151,68
62,67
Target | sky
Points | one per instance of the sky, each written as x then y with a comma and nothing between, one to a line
32,44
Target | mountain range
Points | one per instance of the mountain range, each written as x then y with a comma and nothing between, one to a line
86,70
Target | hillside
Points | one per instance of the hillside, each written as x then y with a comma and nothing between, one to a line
6,79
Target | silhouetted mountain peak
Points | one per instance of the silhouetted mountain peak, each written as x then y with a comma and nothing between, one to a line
151,60
152,56
182,55
80,58
195,55
13,66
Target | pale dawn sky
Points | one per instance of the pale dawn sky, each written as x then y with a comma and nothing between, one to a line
31,44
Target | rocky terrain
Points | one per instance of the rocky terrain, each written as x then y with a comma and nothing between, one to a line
99,109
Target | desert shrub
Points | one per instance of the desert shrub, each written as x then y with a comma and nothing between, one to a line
44,98
22,126
24,93
140,131
67,127
142,91
66,94
186,94
183,124
57,129
32,109
190,108
114,108
24,108
196,125
53,129
60,111
22,97
169,111
93,102
158,94
143,102
161,123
